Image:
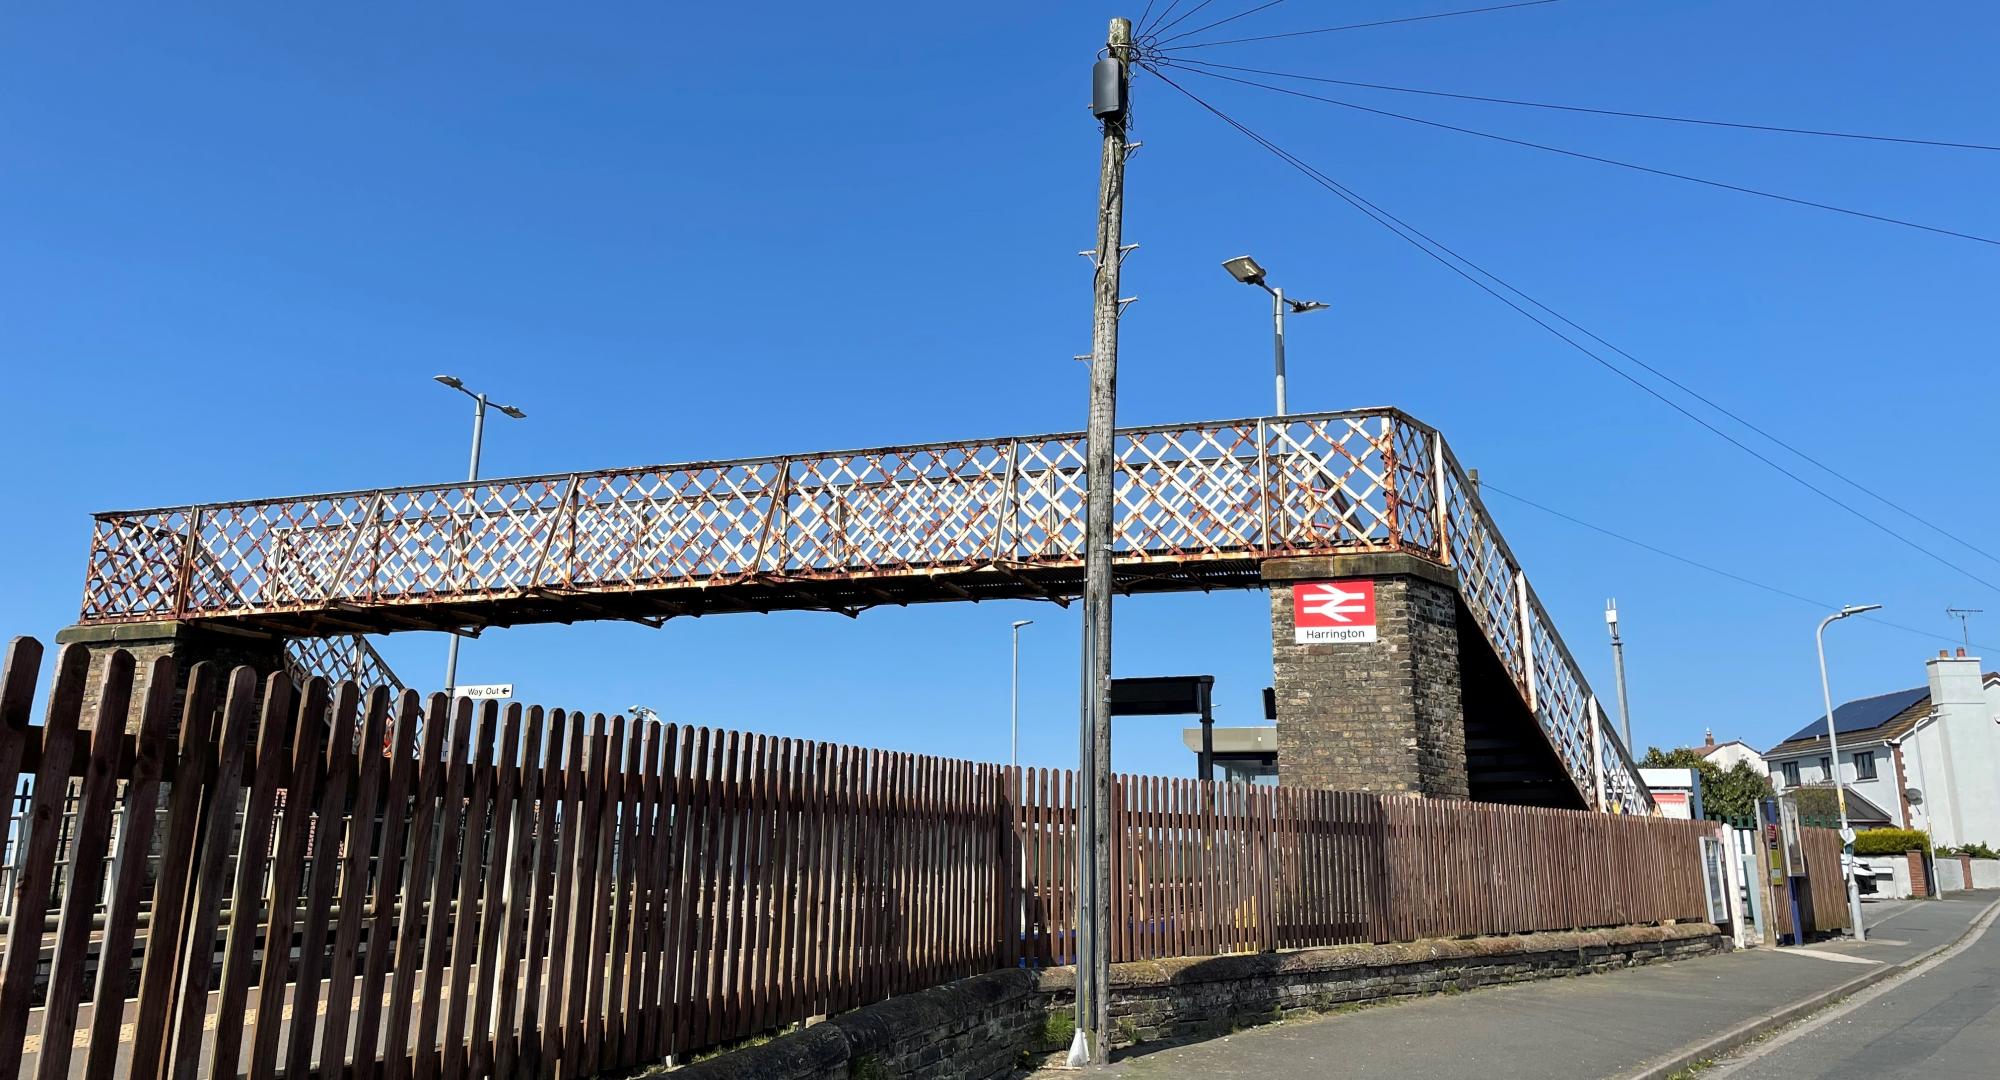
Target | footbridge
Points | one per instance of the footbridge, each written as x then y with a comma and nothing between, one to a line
1199,506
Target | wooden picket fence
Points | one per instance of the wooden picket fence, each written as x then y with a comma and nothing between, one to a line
453,891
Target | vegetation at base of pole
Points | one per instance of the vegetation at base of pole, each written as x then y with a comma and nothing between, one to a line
1726,795
1890,841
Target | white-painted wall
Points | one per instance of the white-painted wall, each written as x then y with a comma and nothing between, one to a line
1954,758
1727,755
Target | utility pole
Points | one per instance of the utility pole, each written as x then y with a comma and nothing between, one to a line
1618,666
1111,82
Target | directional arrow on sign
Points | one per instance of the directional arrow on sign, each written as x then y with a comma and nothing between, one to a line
1336,603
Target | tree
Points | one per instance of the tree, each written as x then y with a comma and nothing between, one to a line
1731,793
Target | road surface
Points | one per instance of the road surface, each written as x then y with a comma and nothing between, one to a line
1943,1020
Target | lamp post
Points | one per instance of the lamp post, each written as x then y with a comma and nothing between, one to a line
1245,269
1014,728
479,404
1833,760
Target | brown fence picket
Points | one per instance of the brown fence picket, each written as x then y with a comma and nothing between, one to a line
34,875
367,755
173,891
554,883
411,952
494,914
339,765
472,793
441,917
387,921
86,877
128,872
513,1015
247,898
302,783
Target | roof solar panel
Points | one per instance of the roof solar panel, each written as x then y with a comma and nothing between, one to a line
1864,713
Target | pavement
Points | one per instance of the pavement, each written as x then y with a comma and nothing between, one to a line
1640,1023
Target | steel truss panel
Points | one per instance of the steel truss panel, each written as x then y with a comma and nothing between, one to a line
1198,506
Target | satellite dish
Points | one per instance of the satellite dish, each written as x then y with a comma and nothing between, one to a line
1915,795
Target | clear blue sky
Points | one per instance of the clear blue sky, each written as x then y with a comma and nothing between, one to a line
237,245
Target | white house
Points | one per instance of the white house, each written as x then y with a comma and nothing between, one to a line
1726,755
1924,758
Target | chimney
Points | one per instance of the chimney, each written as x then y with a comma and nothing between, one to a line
1708,736
1961,652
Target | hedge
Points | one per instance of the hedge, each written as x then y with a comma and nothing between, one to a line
1890,841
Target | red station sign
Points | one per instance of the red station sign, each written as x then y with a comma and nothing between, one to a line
1333,612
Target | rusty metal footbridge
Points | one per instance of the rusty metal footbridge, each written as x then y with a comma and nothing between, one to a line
1199,506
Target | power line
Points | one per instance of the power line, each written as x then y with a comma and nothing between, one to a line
1144,28
1213,25
1143,16
1761,431
1365,25
1595,111
1424,242
1166,26
1488,486
1582,156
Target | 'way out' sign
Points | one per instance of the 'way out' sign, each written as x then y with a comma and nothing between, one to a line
1333,612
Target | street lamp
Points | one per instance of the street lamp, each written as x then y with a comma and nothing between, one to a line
1833,761
1014,739
480,402
1245,269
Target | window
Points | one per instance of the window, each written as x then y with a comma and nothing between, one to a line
1791,774
1864,765
1826,768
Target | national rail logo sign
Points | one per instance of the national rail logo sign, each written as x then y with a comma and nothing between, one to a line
1333,612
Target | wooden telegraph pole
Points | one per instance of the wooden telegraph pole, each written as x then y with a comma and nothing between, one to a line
1112,80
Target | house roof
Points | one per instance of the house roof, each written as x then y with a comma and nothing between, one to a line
1859,810
1869,719
1865,714
1711,748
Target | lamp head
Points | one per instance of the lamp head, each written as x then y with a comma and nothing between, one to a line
1300,307
1019,623
450,380
1611,612
512,411
1856,609
1245,269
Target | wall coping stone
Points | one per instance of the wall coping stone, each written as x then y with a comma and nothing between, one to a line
875,1030
149,633
1358,564
1235,966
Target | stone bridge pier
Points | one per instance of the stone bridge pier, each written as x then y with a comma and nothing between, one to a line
187,643
1425,708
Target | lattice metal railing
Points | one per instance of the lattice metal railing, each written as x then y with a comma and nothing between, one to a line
1230,492
338,659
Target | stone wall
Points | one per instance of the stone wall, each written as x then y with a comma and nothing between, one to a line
1381,716
984,1027
972,1029
187,644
